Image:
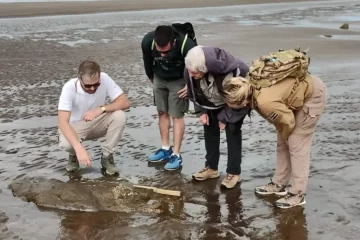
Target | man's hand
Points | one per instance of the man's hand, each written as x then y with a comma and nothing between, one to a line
183,92
204,119
222,125
83,156
91,114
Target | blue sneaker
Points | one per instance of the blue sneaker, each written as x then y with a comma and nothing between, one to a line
160,155
174,163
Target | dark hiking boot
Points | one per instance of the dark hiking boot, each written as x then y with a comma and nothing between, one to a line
109,164
73,164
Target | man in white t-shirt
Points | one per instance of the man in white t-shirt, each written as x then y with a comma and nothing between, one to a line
84,115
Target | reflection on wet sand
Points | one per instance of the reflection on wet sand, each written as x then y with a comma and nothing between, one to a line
218,208
291,224
221,217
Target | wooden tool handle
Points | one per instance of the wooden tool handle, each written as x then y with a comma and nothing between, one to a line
167,192
141,186
161,191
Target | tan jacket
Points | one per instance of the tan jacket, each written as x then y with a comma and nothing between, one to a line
277,103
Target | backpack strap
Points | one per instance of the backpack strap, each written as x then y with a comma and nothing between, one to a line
182,46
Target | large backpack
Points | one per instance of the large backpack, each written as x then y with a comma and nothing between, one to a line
276,66
186,29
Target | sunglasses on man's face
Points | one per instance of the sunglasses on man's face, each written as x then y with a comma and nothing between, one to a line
172,44
95,85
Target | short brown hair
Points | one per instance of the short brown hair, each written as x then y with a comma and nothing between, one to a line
89,67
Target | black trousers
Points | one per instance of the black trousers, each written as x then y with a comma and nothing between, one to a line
212,144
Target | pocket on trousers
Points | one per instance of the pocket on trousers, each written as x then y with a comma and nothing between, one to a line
309,117
185,105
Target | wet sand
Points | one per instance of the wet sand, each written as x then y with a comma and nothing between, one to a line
38,55
50,8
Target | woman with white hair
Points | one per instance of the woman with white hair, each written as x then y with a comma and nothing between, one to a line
282,91
206,70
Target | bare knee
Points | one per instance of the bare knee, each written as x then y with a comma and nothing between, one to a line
178,120
163,114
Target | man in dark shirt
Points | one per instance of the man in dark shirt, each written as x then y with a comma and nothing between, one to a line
164,51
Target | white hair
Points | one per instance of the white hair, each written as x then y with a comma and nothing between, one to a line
195,60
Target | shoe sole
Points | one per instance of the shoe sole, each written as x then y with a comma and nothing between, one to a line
223,186
203,179
76,170
173,169
109,173
158,161
272,193
285,207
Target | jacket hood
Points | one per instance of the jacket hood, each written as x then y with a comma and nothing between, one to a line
218,61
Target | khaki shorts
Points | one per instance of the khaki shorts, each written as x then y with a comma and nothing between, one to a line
167,99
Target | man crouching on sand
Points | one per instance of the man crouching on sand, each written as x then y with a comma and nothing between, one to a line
207,69
83,115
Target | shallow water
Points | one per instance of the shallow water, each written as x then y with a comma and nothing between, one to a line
39,54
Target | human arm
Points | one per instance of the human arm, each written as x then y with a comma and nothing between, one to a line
278,114
64,113
230,115
71,136
120,103
191,94
119,100
147,55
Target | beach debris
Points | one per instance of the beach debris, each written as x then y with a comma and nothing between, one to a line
91,195
345,26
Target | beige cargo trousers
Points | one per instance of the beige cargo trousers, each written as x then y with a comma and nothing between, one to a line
109,125
293,159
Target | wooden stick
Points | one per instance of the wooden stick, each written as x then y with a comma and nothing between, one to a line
161,191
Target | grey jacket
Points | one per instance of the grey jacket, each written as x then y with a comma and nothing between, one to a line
219,64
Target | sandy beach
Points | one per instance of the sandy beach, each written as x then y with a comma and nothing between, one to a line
40,53
22,9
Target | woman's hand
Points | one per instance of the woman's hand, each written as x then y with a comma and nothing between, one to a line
204,119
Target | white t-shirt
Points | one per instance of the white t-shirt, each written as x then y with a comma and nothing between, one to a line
73,98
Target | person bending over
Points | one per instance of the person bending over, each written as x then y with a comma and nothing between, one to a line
206,70
163,54
282,91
